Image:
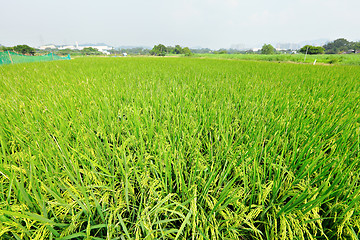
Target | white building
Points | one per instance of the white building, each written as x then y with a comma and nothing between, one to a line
47,47
103,49
67,47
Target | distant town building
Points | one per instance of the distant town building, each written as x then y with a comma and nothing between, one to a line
103,49
351,51
67,47
286,46
47,47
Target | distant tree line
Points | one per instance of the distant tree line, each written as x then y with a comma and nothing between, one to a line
201,50
337,46
75,52
308,49
26,50
162,50
21,49
341,45
131,51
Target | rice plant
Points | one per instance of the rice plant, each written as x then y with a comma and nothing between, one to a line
337,59
179,148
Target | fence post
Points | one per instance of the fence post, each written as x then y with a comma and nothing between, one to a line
52,54
10,57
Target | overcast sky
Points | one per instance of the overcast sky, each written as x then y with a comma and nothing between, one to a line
205,23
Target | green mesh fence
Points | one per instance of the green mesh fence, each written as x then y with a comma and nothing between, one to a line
11,58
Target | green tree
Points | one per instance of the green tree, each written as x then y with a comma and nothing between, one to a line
90,51
24,49
114,51
159,50
4,49
356,46
312,50
267,49
178,49
187,52
170,50
339,45
221,51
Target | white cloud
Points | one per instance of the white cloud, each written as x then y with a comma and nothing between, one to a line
233,3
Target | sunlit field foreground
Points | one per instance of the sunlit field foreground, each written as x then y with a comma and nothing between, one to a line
179,148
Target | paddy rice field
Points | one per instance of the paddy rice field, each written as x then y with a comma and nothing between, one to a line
337,59
179,148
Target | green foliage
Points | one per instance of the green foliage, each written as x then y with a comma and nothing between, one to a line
170,50
178,49
159,50
308,49
341,45
23,49
187,52
90,51
221,51
73,52
179,148
267,49
356,46
3,48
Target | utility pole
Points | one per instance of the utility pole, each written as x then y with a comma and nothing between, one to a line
306,53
